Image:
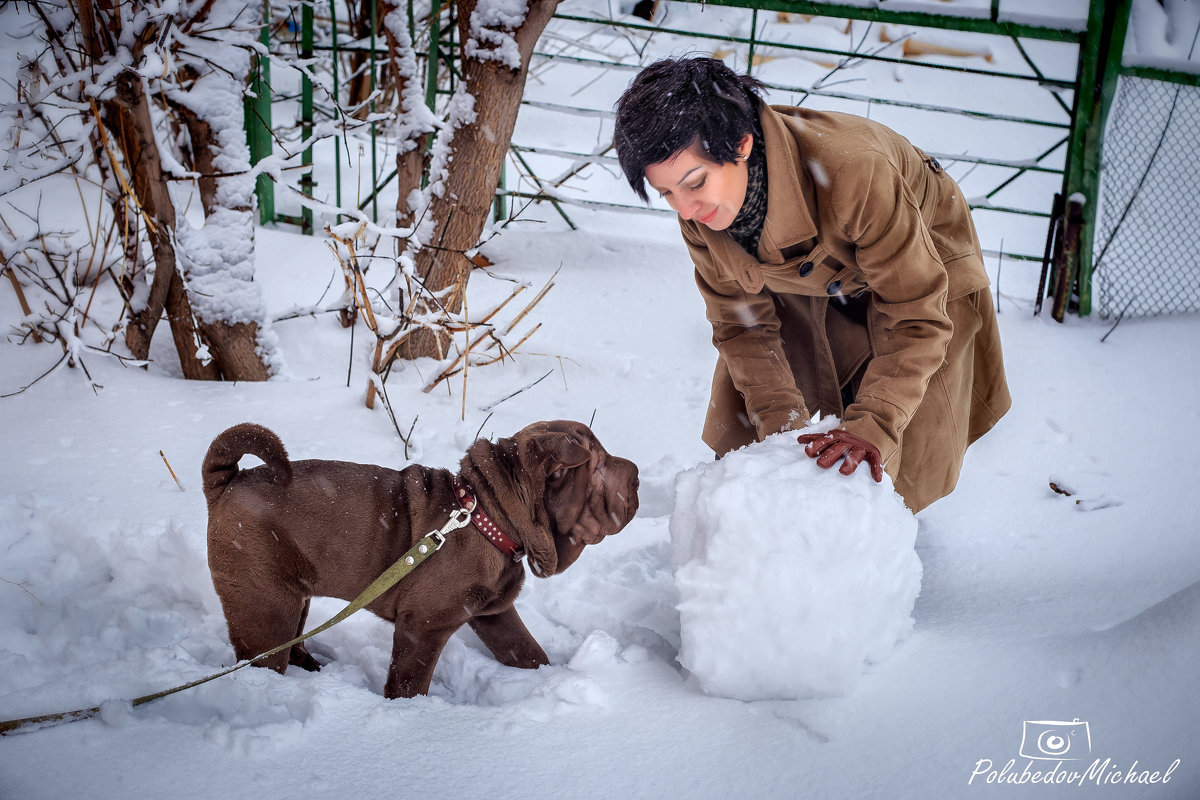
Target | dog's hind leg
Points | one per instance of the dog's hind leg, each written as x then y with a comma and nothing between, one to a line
415,652
300,655
260,621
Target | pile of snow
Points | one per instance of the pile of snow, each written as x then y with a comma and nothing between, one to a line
790,577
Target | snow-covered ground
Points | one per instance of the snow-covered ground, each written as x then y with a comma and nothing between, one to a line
1035,608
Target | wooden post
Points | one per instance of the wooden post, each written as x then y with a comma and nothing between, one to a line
1053,237
1066,265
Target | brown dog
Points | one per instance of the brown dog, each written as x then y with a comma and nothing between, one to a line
286,531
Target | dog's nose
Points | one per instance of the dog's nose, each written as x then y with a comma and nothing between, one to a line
634,484
631,470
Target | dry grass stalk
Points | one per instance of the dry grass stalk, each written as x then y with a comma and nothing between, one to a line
388,344
116,165
24,588
356,284
466,362
96,284
173,475
451,325
492,340
16,284
506,352
356,287
545,289
454,368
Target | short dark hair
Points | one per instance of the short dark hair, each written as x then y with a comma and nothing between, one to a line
677,102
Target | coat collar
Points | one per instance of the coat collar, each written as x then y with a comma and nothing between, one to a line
790,199
790,193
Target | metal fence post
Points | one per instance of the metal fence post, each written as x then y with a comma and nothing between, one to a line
257,120
374,131
431,69
753,35
337,99
307,184
1116,24
1099,65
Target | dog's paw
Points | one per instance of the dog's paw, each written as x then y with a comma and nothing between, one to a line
301,658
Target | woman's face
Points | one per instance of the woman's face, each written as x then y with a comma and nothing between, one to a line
699,189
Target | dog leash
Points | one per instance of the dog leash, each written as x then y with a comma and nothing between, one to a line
423,549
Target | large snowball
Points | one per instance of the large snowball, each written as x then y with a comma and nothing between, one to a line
790,577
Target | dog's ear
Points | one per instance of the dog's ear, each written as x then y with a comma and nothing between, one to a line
546,453
538,539
560,450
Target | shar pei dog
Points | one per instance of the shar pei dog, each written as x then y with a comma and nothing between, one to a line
284,532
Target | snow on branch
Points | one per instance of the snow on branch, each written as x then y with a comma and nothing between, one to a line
492,27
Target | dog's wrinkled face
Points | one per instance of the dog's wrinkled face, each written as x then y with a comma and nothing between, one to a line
589,493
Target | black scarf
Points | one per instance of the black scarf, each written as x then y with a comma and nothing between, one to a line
747,226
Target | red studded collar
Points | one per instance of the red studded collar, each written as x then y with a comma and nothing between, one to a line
484,524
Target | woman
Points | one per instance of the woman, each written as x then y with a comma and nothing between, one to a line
840,270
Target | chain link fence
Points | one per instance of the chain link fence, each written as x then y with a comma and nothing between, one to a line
1147,238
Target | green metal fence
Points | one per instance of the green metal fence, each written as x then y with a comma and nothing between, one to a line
995,173
1065,114
1148,243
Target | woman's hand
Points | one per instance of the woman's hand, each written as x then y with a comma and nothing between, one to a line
827,448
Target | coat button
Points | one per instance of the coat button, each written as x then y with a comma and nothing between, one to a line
805,269
834,287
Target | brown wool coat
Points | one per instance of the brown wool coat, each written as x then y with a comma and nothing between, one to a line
869,276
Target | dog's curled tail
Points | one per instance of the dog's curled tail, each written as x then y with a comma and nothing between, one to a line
221,462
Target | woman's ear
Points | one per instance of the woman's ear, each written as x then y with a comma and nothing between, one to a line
745,146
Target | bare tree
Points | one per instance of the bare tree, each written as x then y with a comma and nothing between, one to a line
498,40
156,88
125,111
219,256
118,67
414,121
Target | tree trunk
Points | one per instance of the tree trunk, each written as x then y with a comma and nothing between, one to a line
217,260
186,336
234,345
128,116
461,205
414,120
